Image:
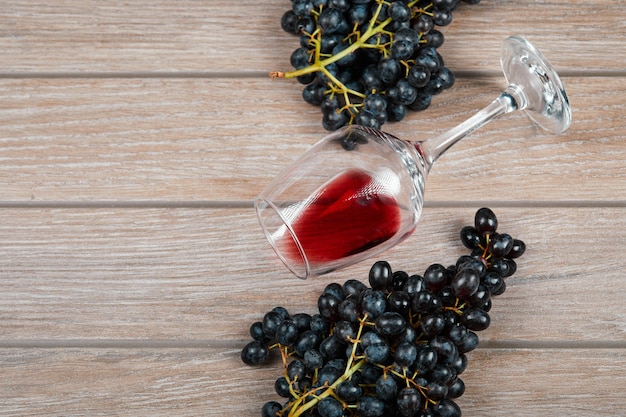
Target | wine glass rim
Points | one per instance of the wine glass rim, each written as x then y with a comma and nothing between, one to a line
260,204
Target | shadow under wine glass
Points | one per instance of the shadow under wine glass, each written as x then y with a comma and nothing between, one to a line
359,191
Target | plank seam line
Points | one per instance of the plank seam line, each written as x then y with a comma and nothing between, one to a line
258,74
246,204
511,344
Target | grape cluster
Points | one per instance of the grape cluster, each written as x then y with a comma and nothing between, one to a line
369,61
394,348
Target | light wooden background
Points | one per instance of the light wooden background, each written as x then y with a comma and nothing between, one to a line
133,136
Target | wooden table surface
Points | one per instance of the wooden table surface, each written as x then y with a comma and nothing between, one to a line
134,135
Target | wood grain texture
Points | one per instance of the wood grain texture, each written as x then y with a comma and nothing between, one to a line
219,139
221,36
133,136
183,274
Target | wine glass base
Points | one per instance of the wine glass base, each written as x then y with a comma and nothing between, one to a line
544,97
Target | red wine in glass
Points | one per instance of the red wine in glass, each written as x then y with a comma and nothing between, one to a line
353,212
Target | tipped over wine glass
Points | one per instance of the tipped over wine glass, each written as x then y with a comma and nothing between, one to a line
359,191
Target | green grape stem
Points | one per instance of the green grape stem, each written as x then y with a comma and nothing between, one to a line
298,407
320,64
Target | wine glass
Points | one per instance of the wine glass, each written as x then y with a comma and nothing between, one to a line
359,191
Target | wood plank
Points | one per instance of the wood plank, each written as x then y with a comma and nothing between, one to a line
208,274
193,36
182,139
213,382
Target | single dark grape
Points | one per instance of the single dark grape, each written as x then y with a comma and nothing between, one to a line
302,321
436,277
447,351
380,274
485,221
402,49
399,301
465,283
390,323
432,324
377,353
423,24
476,319
436,390
408,34
313,359
307,340
429,58
334,289
376,104
271,409
345,331
331,20
314,94
328,306
349,391
281,386
374,303
441,373
332,348
349,309
406,354
319,324
368,119
399,11
470,237
447,408
257,333
389,70
426,359
446,77
286,332
300,58
358,14
434,86
500,245
442,17
409,402
369,406
504,267
289,21
414,284
399,279
271,321
255,353
418,76
422,101
302,7
329,407
518,249
403,92
329,374
457,389
386,387
342,5
460,365
434,38
296,369
353,288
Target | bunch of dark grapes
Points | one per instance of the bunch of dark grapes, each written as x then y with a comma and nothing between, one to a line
369,61
394,348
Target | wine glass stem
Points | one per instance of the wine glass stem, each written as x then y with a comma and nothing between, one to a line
511,99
